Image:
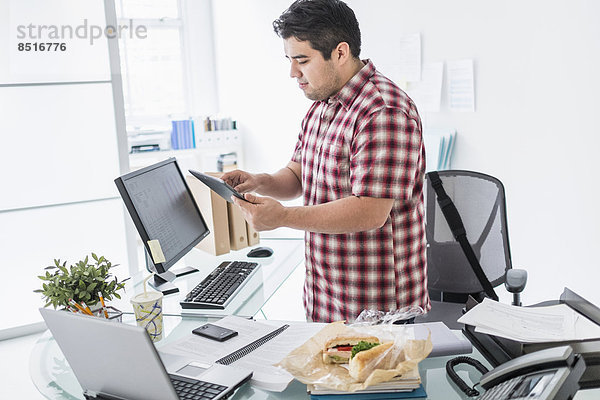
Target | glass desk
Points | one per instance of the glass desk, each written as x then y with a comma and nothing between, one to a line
54,378
288,254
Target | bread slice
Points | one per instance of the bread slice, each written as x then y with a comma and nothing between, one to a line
365,362
332,355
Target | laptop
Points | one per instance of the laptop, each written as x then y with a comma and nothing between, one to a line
112,360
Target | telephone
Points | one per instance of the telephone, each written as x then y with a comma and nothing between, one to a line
550,374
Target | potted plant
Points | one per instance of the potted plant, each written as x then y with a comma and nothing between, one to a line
81,282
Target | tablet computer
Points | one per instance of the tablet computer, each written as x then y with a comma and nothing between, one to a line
217,185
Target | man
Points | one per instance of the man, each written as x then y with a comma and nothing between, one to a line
359,165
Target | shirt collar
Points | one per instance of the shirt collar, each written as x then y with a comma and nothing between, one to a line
352,88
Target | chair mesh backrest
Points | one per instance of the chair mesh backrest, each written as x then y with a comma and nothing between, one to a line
481,204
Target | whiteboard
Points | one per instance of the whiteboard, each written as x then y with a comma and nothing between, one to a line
59,144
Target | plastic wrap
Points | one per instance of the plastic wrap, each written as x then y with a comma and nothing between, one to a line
403,355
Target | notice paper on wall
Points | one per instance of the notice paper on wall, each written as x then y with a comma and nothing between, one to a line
461,89
404,62
427,94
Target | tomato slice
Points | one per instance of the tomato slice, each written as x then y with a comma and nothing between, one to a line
344,348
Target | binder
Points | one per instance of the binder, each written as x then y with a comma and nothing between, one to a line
497,350
417,393
238,235
214,210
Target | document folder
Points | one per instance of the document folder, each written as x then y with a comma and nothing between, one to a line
498,350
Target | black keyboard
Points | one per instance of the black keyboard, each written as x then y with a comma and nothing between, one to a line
219,288
194,389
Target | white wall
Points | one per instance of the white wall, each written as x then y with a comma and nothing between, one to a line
535,127
62,142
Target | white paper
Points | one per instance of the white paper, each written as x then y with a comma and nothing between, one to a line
406,65
427,94
461,90
260,361
530,324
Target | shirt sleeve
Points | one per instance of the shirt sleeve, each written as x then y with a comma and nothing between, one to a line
387,156
297,155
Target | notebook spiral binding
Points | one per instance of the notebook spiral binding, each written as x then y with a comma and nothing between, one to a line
236,355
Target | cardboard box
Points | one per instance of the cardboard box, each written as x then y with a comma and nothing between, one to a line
214,210
253,236
238,235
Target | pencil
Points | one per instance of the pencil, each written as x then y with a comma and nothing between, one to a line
77,306
73,310
103,305
87,308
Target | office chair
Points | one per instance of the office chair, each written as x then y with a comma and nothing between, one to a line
480,202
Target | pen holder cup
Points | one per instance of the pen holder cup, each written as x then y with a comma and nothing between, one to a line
114,315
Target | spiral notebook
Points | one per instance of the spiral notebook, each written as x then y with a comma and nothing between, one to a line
257,347
249,348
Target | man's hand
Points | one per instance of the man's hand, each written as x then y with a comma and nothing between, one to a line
262,213
241,181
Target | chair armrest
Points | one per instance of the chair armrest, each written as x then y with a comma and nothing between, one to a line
515,280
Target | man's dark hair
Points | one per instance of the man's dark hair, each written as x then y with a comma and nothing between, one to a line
323,23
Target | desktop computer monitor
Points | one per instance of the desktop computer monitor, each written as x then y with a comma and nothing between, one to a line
166,216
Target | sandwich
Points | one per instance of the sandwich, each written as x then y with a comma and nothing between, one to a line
364,362
338,350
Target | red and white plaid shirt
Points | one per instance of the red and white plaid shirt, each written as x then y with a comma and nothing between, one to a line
365,141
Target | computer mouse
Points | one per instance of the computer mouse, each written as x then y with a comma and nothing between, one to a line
260,252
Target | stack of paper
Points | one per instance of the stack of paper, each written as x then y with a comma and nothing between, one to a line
407,385
439,145
555,323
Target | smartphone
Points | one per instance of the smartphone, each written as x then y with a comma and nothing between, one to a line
215,332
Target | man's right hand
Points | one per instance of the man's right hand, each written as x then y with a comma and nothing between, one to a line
241,181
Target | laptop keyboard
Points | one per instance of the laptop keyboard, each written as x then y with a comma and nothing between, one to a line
219,288
193,389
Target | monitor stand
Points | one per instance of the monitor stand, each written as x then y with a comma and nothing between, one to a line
164,282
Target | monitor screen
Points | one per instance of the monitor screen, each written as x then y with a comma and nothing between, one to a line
163,210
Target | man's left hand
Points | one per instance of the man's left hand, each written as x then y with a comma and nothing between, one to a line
262,213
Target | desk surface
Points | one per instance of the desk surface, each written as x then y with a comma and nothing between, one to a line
288,254
54,378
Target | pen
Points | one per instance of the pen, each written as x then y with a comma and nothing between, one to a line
77,306
103,305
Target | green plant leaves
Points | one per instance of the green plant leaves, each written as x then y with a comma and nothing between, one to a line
80,282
